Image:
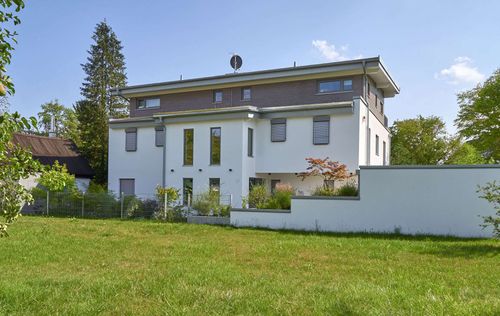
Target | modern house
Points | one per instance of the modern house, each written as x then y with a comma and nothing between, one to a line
233,130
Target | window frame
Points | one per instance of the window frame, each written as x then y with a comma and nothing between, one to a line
243,93
146,107
184,149
212,163
343,85
214,96
161,130
318,89
278,121
129,131
321,118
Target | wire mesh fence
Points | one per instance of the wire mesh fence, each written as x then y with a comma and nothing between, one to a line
137,206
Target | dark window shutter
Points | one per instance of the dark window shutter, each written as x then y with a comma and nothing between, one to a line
321,130
131,139
278,130
159,136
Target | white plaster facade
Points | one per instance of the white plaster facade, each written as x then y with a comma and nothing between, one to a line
271,160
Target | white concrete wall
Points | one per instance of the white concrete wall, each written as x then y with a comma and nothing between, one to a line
437,201
367,147
143,165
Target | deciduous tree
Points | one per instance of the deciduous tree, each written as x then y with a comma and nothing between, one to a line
325,168
66,123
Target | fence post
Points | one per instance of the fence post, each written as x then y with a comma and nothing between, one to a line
48,196
121,205
165,205
83,205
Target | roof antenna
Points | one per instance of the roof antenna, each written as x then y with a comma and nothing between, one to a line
294,64
181,77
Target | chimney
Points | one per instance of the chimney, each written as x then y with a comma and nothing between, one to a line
52,131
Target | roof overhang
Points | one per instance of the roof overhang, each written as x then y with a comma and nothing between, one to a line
370,66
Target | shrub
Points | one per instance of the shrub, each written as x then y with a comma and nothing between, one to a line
348,189
208,203
257,196
282,197
491,193
323,191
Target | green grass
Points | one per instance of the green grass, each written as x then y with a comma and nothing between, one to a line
85,267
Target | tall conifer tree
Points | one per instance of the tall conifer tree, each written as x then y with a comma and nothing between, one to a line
105,71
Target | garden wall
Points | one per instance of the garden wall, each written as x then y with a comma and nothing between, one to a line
437,200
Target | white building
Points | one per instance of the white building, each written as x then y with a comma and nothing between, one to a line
231,130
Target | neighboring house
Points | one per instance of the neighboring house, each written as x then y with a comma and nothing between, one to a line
237,129
49,149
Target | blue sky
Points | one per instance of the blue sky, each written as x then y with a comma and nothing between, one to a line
433,49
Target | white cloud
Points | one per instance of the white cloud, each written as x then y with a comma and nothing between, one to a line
462,71
330,52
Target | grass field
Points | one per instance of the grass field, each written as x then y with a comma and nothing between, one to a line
85,267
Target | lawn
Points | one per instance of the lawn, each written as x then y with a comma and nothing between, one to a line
112,267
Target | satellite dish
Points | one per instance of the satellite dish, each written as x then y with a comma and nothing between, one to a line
236,62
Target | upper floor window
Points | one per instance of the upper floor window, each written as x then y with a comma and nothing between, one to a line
188,146
278,130
328,86
246,94
348,85
321,130
159,136
215,141
368,90
381,107
217,98
131,139
148,103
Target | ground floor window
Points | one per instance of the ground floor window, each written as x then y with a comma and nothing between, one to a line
214,184
254,181
273,185
187,190
127,186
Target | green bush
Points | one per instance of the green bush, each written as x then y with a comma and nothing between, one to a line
257,197
208,203
323,191
348,189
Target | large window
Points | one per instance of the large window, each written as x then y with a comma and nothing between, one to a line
329,86
215,141
188,146
278,130
217,98
250,142
159,136
148,103
127,186
187,191
321,130
131,139
246,94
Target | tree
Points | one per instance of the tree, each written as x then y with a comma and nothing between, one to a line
15,162
464,154
93,126
491,193
479,117
105,70
66,124
325,168
419,141
56,178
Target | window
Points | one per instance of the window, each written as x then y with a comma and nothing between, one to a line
328,86
159,136
187,191
148,103
347,85
254,181
376,145
127,186
250,142
217,96
384,152
369,91
376,101
214,184
381,107
246,94
278,130
131,139
321,130
188,146
215,138
273,185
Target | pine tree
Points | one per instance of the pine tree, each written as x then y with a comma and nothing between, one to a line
105,70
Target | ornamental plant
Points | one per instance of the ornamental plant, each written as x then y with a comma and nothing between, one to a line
325,168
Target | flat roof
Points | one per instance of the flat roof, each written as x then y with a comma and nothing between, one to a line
373,67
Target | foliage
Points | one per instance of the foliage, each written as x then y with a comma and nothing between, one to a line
95,187
66,124
174,212
257,196
464,154
8,16
327,169
208,203
491,193
323,190
419,141
16,163
348,189
478,119
56,178
93,124
281,197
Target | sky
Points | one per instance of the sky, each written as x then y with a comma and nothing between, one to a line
432,49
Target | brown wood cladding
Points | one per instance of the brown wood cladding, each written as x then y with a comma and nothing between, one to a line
265,95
